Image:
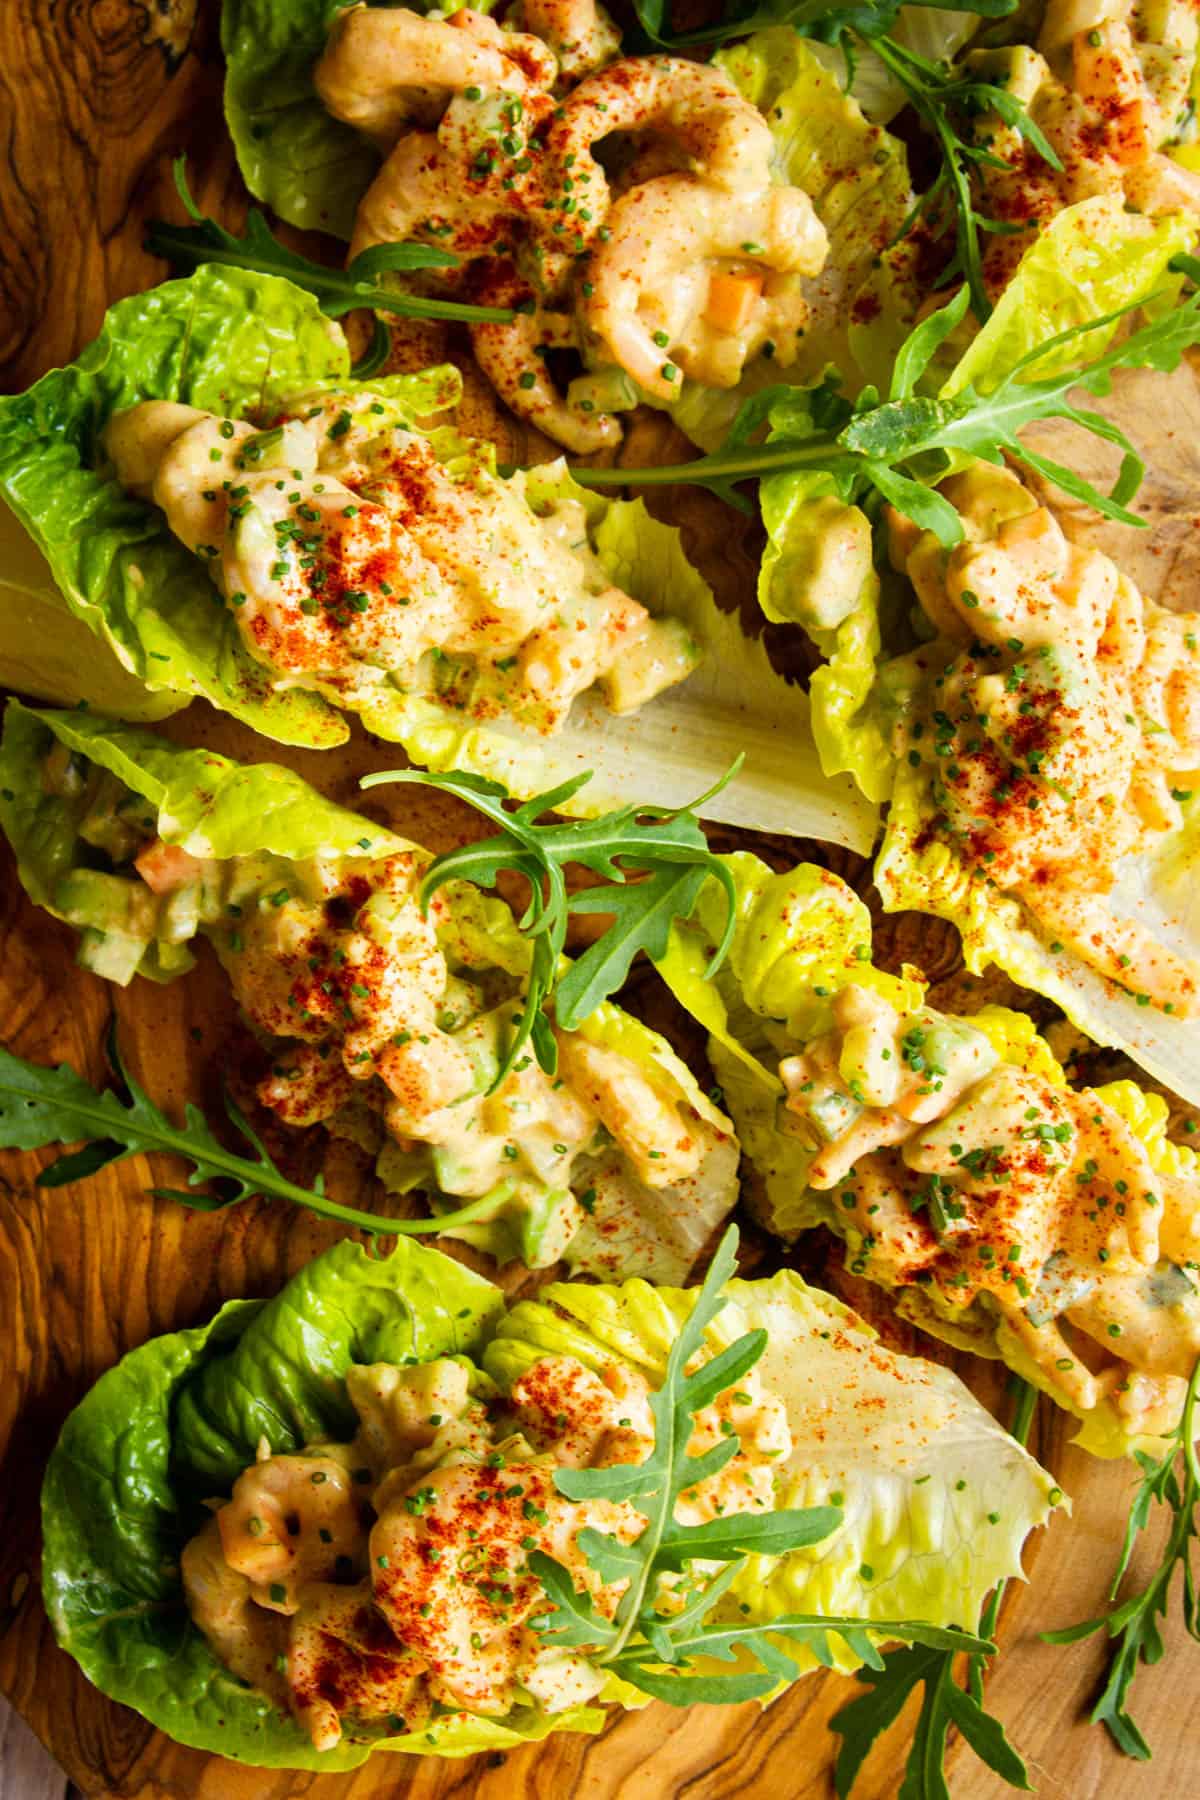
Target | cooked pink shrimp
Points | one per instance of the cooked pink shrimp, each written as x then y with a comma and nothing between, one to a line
511,356
287,1522
580,33
384,70
650,281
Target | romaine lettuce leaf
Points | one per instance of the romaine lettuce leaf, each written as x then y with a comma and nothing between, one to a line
225,340
937,1498
173,1423
309,167
207,803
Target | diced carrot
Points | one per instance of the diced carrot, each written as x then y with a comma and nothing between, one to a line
164,867
731,300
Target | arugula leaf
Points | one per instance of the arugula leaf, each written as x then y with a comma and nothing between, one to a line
1133,1625
338,291
668,849
661,1628
898,447
892,1681
41,1106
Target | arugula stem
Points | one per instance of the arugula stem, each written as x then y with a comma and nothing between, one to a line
730,466
176,244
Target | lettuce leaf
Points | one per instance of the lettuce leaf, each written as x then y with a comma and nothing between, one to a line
814,939
174,1422
215,807
225,339
309,167
937,1498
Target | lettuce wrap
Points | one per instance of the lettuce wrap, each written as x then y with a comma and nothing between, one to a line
1003,1210
876,695
382,1007
229,342
925,1501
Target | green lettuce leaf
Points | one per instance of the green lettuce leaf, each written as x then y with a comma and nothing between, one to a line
214,807
224,340
50,654
309,167
221,340
1091,259
174,1422
937,1498
856,175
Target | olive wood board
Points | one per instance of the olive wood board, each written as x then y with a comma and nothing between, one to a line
98,95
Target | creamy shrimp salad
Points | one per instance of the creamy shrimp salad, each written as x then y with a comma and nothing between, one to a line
389,1024
1058,724
1012,1202
677,256
354,562
388,1579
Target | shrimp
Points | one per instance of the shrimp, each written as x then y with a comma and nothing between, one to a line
580,33
511,358
424,191
719,133
288,1521
383,70
243,1636
650,281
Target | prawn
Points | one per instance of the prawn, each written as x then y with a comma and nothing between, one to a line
511,356
383,71
220,1599
288,1521
718,132
580,32
645,302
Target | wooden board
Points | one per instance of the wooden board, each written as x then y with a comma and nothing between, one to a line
99,94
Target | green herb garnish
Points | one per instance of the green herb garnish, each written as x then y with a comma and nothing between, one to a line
667,848
898,447
41,1106
655,1649
1134,1624
944,1703
338,291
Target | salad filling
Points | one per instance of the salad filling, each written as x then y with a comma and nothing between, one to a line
1053,725
387,1577
353,560
1002,1192
390,1021
687,259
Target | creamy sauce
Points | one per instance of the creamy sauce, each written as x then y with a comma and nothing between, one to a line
365,1583
355,564
1062,723
1007,1198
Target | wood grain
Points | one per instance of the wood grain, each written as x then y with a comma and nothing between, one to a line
97,96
